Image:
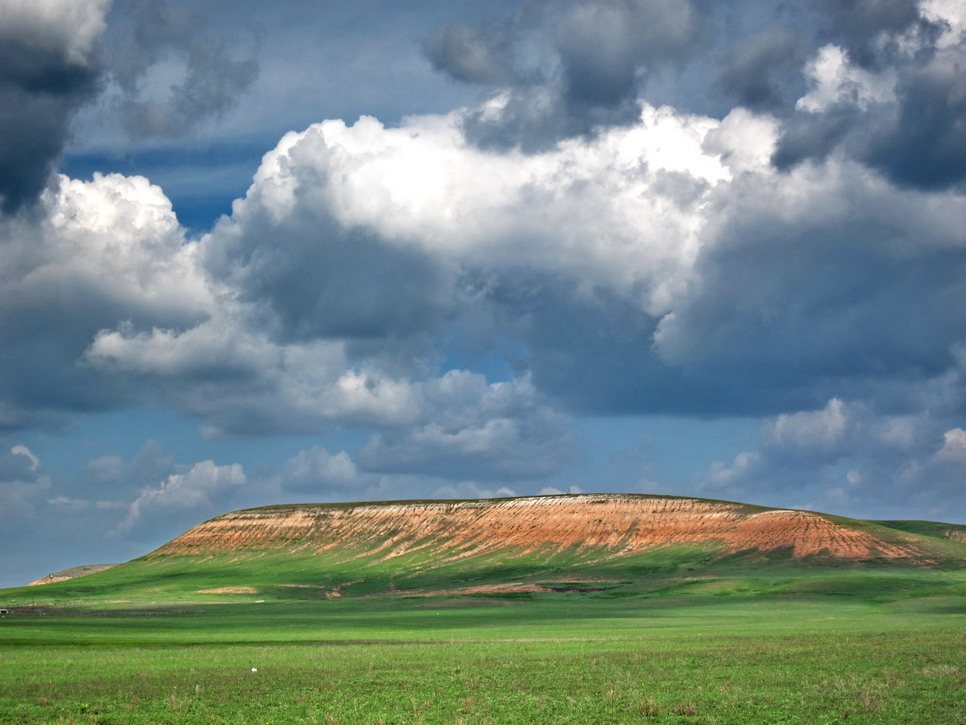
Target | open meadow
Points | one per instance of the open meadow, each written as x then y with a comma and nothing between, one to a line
734,655
569,613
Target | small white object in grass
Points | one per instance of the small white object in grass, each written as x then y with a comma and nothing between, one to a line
254,670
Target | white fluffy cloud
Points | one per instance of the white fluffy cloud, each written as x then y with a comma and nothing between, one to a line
358,249
620,210
196,490
834,80
811,430
119,235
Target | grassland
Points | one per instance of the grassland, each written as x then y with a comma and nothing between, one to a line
873,647
677,634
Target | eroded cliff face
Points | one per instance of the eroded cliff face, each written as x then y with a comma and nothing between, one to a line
596,527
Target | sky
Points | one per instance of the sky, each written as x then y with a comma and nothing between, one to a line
256,253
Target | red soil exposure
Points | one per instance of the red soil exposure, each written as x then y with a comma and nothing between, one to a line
595,527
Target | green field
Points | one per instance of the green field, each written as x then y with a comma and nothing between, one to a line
729,651
676,634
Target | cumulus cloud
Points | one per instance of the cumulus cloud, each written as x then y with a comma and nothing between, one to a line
638,239
835,80
94,255
24,451
199,489
49,68
358,247
847,458
419,199
245,383
469,429
362,256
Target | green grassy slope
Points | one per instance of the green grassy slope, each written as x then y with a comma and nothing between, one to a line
283,567
684,633
934,529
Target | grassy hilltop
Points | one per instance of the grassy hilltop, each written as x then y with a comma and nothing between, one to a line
534,610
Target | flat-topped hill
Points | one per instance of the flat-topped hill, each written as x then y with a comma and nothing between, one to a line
605,544
589,526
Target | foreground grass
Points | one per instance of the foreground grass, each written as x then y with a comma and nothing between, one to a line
548,658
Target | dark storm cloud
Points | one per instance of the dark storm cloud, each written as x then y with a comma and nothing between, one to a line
762,72
813,136
565,70
918,142
592,355
347,285
605,47
916,138
44,338
206,74
823,298
598,357
42,85
926,146
870,29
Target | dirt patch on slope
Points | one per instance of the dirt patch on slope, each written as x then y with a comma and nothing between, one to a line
229,590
